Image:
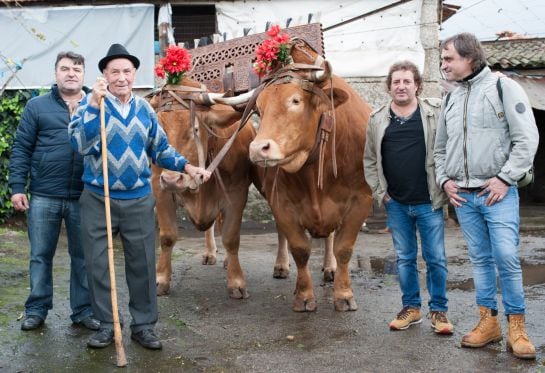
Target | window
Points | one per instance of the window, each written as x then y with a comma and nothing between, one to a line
193,22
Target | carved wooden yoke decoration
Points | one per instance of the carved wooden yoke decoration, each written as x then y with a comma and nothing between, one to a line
228,66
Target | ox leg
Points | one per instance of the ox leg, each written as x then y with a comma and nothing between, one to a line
166,216
282,264
330,263
304,293
236,283
210,248
343,295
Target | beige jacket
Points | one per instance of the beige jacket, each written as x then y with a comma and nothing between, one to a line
430,109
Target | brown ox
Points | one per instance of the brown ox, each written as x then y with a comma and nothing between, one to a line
290,111
225,193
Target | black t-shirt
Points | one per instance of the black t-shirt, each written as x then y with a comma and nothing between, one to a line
404,159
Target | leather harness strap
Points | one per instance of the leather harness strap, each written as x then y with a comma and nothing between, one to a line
326,124
248,110
171,101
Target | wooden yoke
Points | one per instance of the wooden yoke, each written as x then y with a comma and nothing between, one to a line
228,66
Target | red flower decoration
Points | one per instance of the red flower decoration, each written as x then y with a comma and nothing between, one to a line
272,52
174,65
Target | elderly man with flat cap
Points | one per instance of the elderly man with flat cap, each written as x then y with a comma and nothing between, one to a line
134,138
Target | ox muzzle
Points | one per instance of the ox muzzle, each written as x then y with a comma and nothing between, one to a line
173,181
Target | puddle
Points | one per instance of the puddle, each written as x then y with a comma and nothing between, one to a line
532,274
378,265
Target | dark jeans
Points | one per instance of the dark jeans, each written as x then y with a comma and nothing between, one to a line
45,217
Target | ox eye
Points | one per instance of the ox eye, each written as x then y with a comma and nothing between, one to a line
296,100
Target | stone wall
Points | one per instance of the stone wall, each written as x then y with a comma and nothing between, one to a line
373,90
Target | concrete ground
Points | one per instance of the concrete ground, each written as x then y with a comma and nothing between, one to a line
202,330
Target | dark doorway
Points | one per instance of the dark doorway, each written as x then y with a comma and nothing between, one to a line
193,22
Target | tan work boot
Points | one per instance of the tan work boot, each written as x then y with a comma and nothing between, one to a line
487,330
517,340
440,323
405,318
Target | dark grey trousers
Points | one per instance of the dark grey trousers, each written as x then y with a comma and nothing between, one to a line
134,220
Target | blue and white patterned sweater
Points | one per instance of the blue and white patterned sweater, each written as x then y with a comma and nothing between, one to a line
130,142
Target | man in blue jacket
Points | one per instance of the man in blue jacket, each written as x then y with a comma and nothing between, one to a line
42,150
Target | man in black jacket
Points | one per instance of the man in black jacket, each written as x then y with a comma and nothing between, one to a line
42,151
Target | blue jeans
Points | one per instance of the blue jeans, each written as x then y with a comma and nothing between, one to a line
492,235
45,217
403,220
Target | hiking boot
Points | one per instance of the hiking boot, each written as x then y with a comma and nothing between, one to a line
405,318
517,339
487,330
440,323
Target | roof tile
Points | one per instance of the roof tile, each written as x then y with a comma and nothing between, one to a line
515,54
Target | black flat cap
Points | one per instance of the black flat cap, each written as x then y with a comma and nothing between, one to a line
117,51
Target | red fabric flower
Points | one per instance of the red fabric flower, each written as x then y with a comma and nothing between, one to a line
159,71
272,52
273,31
175,64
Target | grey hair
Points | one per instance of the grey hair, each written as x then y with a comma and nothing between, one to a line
467,46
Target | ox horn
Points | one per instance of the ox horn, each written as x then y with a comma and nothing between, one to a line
321,75
208,98
236,100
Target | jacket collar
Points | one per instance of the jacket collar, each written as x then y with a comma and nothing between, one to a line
476,77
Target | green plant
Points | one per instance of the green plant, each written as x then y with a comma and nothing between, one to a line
12,104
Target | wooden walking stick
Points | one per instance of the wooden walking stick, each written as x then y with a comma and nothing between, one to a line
120,351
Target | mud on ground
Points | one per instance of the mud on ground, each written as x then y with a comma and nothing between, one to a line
202,330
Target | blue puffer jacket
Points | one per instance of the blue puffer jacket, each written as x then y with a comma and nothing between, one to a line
42,149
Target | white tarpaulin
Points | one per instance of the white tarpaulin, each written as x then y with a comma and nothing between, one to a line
31,38
365,47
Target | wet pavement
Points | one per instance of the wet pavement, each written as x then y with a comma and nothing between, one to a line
202,330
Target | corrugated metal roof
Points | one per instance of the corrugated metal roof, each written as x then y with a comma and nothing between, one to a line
518,53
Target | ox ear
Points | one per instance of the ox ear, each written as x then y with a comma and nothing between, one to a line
221,118
339,95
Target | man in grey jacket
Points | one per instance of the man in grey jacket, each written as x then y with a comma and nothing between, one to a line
398,164
486,141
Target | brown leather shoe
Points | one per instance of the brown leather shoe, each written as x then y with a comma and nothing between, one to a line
517,340
488,330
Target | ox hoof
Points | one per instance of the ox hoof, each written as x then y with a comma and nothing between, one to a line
343,305
162,289
208,260
329,275
280,272
304,305
238,293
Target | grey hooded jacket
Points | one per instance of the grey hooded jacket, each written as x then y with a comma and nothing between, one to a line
372,159
478,137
